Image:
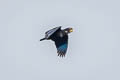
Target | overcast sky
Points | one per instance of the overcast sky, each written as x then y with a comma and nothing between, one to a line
94,46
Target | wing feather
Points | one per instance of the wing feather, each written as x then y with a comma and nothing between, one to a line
51,32
62,45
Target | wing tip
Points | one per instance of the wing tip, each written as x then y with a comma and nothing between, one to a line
60,54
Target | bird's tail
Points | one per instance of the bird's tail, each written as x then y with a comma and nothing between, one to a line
42,39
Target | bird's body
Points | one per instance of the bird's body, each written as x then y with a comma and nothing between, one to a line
60,37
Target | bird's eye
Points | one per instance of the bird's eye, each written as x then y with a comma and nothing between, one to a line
66,31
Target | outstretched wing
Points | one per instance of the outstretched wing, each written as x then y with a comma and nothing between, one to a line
51,32
62,45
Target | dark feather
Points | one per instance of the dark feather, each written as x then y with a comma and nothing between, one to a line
61,45
60,37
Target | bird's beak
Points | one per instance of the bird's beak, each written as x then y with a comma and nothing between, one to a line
71,29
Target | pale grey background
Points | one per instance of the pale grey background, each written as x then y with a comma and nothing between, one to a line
94,46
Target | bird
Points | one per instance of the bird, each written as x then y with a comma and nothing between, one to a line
60,37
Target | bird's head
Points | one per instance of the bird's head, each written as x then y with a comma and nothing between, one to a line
68,30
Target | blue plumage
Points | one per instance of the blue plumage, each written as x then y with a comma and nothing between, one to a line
62,49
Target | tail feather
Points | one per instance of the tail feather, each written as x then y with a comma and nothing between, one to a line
42,39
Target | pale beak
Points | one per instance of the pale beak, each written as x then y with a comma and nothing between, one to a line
71,30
